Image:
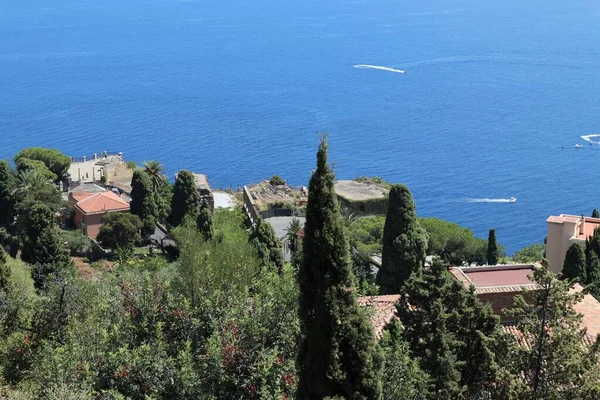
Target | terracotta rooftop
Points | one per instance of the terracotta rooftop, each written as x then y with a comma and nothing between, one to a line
383,309
496,278
588,307
102,202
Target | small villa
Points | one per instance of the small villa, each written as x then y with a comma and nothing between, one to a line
563,230
90,210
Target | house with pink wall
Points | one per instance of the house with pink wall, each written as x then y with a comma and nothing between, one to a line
90,210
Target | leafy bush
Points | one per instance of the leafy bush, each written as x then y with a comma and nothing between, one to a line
532,253
131,165
375,179
76,242
276,180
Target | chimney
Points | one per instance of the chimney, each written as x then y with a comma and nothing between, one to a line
582,225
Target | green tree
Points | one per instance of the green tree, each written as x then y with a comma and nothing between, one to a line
26,164
403,378
42,244
556,363
186,200
267,245
31,188
54,160
530,254
120,230
143,202
292,234
574,265
492,250
595,214
7,184
339,355
4,272
592,253
404,242
453,243
156,171
450,332
204,221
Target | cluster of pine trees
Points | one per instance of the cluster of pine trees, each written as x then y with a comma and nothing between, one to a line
227,318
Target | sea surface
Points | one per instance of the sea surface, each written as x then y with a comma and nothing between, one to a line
239,90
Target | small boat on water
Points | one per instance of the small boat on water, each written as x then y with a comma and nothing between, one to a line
512,199
578,146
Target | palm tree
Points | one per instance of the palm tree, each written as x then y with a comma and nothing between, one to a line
348,217
156,171
30,181
292,233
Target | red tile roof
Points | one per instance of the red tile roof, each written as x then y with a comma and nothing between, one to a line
80,196
102,202
383,310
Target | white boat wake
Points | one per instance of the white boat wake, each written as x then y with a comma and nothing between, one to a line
588,138
367,66
485,200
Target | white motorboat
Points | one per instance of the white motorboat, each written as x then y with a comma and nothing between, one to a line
578,146
512,199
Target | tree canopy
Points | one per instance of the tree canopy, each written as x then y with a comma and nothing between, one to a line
143,201
338,355
120,230
54,160
186,200
574,265
492,249
404,242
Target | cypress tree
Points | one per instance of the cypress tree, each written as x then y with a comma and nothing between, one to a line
404,242
338,355
574,265
7,184
265,241
143,202
4,272
595,214
204,221
450,331
592,251
186,200
492,248
42,244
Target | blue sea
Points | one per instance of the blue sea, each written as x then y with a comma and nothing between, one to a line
240,89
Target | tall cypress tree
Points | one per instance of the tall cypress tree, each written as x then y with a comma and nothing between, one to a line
339,355
595,214
4,272
42,244
7,184
592,253
143,202
404,242
265,241
204,221
450,331
492,248
574,265
186,200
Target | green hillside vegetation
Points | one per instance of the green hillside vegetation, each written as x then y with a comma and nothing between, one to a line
223,316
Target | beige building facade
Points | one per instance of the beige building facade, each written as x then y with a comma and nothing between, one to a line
563,230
